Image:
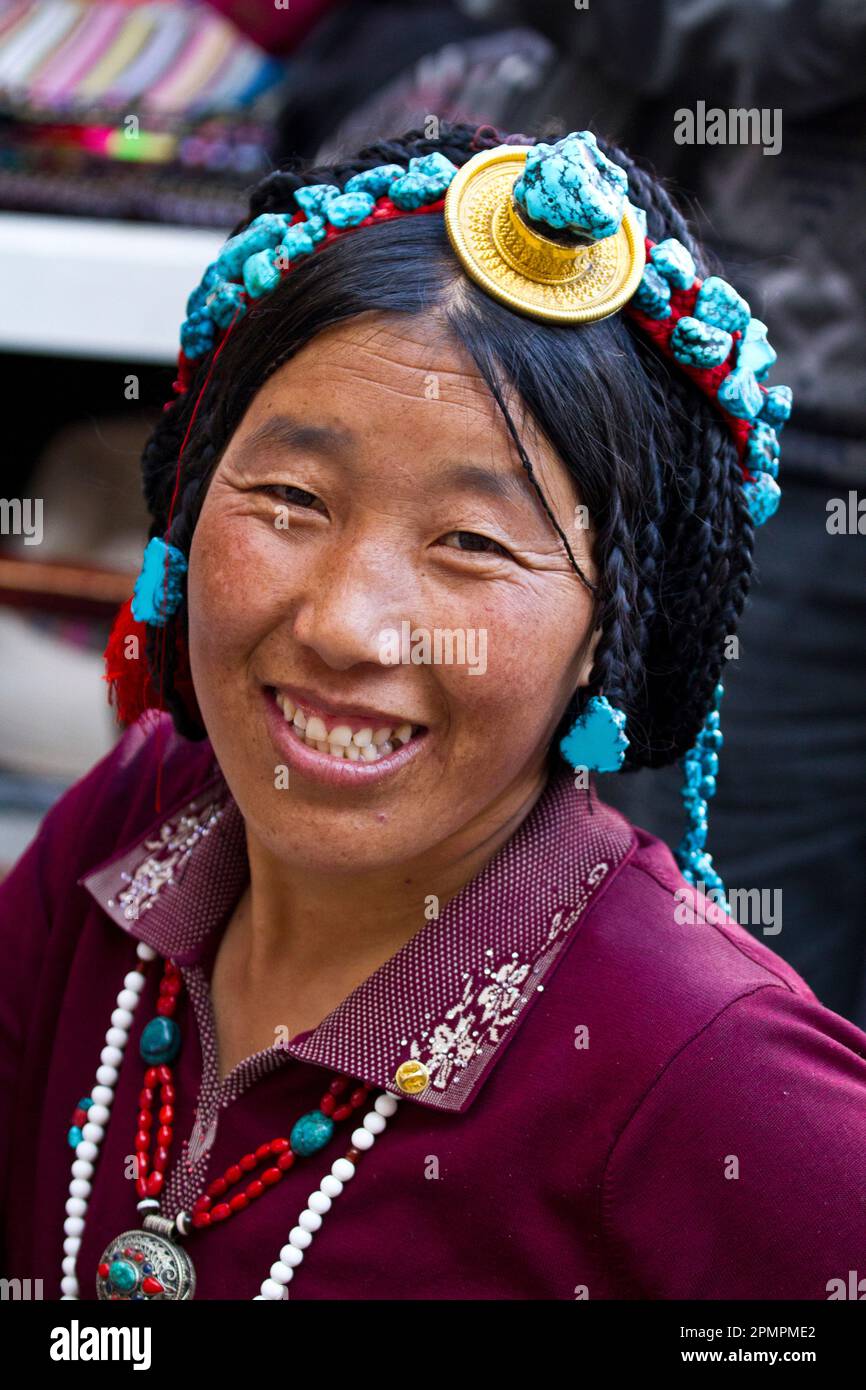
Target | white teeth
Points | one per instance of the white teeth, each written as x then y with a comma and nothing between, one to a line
365,745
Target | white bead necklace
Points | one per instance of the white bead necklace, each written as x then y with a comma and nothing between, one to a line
300,1237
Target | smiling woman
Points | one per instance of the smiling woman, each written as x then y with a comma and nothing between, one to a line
466,390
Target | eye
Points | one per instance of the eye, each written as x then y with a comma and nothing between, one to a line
294,496
471,542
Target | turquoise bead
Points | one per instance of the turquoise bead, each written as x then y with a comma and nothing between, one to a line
314,199
159,587
762,496
437,169
375,181
122,1275
412,191
740,394
697,344
762,449
672,260
263,232
260,274
224,301
197,334
653,294
311,1133
74,1137
160,1041
597,739
349,209
777,406
572,186
719,304
755,353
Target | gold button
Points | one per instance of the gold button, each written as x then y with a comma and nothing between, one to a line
412,1077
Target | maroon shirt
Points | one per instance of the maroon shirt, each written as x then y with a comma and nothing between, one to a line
622,1104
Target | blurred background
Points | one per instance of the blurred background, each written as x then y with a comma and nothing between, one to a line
130,132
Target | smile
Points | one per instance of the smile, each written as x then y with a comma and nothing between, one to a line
336,746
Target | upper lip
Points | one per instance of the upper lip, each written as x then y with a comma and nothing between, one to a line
312,700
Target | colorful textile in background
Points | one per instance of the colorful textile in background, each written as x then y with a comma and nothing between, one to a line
156,109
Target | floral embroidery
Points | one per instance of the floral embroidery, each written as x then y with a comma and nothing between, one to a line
447,1049
169,851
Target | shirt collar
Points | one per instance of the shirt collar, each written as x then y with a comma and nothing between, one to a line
452,996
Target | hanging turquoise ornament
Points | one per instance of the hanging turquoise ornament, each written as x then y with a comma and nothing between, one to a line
596,739
700,766
159,587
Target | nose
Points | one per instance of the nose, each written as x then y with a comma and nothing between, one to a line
351,595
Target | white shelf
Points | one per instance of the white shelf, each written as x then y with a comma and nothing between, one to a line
81,287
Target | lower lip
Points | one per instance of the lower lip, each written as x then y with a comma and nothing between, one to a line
326,767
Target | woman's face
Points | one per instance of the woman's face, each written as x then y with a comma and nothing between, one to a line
372,554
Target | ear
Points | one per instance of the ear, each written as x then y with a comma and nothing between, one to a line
588,659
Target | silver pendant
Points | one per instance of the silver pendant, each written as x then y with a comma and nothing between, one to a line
145,1266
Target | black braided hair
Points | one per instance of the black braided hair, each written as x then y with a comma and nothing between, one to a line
654,464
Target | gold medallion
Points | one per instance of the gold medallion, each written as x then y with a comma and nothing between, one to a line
525,270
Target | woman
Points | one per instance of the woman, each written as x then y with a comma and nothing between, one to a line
456,504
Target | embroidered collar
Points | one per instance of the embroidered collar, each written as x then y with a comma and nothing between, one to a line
454,994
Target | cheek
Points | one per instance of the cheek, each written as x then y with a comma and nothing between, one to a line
530,640
232,585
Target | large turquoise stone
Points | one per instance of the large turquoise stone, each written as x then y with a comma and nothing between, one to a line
740,394
122,1275
756,354
572,186
159,586
311,1133
349,209
160,1041
719,304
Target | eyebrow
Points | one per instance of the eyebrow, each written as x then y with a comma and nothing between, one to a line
287,432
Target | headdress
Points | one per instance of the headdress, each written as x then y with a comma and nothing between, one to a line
550,231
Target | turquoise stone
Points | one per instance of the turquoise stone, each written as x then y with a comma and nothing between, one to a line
314,199
301,240
263,232
122,1275
311,1133
755,353
159,587
719,305
374,181
697,344
777,406
762,497
413,191
653,294
597,738
437,169
349,209
197,334
74,1137
674,262
740,394
224,302
572,186
198,298
160,1041
260,274
762,449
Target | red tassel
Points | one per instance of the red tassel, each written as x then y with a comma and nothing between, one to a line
131,687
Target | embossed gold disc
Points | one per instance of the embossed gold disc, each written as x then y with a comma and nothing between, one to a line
528,271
